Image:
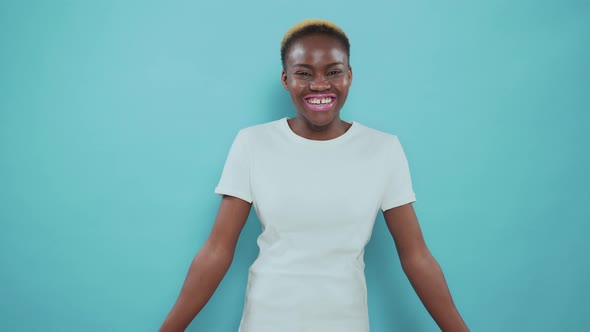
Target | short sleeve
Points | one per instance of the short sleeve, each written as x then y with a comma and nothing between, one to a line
398,190
235,179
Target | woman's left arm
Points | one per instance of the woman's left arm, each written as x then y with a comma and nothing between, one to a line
422,269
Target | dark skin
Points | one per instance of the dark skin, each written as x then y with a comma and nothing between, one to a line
315,65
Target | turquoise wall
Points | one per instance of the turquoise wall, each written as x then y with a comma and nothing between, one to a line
116,118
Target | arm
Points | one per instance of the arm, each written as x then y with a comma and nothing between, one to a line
209,265
422,269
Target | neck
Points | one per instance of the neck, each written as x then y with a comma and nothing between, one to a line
306,129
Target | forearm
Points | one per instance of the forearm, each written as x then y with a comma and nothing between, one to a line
205,273
428,281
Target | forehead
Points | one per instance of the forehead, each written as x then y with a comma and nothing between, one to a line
315,49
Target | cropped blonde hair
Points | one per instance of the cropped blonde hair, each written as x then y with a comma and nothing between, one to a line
309,27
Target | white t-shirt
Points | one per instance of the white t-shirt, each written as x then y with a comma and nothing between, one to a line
317,202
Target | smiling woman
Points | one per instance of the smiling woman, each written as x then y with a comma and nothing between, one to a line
317,75
317,184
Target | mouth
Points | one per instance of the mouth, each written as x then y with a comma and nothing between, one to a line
320,102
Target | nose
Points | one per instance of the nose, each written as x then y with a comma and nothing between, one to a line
319,84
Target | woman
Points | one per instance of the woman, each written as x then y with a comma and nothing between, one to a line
317,184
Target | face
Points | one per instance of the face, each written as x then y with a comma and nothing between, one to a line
317,76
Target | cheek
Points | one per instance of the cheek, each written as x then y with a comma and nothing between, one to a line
346,80
295,85
343,84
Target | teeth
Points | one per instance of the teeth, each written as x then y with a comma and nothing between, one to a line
317,101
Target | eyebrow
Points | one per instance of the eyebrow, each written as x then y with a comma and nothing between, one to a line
310,66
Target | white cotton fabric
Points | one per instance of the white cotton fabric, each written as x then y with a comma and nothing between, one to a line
317,202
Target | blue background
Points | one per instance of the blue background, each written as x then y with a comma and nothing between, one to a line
116,118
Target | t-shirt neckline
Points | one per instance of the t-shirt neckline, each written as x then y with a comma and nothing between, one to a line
287,129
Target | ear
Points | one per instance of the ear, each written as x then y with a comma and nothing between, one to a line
350,72
284,80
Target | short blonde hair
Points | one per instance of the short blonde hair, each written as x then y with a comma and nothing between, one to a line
309,27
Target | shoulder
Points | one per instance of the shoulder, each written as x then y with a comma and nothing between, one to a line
261,130
377,137
383,145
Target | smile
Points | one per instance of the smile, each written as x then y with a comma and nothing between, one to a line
320,102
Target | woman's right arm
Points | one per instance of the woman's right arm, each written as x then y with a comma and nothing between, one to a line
209,265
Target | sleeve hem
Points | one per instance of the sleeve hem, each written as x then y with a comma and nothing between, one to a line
398,202
233,193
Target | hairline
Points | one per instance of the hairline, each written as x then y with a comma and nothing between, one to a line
313,27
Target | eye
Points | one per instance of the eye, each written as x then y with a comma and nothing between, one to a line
334,72
302,73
